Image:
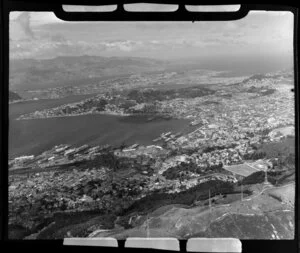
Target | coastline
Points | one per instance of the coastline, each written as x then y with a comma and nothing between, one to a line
102,113
74,115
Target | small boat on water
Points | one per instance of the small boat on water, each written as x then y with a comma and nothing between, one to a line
134,145
157,139
195,122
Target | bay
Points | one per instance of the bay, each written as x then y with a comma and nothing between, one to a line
27,137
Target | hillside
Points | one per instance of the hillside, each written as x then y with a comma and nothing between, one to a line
282,148
257,217
275,225
12,96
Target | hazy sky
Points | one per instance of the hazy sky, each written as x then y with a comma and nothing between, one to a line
259,34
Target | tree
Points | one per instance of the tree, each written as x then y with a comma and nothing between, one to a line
122,146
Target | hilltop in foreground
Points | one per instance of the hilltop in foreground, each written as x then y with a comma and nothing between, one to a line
267,214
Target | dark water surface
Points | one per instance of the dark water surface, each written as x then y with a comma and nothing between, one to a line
34,136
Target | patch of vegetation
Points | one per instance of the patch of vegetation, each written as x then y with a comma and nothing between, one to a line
18,232
78,224
181,171
259,177
227,95
12,96
150,95
99,104
214,148
211,103
263,91
279,149
198,192
257,77
254,156
267,92
111,161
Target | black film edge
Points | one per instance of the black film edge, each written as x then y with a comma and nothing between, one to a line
181,14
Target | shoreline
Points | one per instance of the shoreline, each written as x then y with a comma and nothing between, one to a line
75,115
102,113
57,98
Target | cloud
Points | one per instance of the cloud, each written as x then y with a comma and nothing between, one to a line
154,39
57,45
122,45
231,26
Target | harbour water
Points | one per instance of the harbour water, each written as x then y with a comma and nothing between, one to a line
34,136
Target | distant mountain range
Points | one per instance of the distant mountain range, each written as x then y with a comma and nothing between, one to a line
28,74
39,74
